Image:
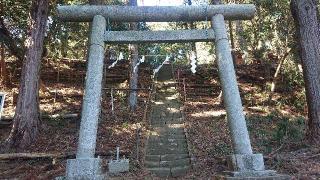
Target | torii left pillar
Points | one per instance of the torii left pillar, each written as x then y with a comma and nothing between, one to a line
86,166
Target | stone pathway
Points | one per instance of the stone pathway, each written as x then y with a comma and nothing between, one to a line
167,150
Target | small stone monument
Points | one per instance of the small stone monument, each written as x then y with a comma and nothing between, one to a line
2,96
118,165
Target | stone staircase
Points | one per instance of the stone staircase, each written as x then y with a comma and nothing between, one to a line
167,149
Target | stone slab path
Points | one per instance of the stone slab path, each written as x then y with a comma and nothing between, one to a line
167,151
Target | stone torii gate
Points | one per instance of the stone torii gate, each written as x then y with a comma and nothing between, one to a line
243,162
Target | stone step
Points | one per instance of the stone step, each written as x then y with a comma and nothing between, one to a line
165,114
166,123
168,129
165,148
166,151
167,136
167,140
179,171
172,119
171,164
166,119
169,145
161,118
160,172
153,158
175,163
167,172
166,157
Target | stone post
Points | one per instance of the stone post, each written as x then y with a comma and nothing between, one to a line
243,162
231,95
86,166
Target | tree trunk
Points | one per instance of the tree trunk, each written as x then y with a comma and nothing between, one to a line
233,47
276,74
133,48
26,119
3,67
241,42
305,15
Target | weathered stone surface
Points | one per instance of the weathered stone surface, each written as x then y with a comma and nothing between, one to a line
163,146
265,177
85,166
243,163
252,173
167,151
152,164
246,162
92,97
86,13
153,158
168,157
167,148
178,36
84,169
231,96
175,163
179,171
167,139
118,166
161,172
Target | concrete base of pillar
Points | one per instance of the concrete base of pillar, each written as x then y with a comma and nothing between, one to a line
265,177
246,162
249,166
79,169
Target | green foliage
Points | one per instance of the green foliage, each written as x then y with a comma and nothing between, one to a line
289,129
15,14
56,122
125,125
271,29
293,76
275,129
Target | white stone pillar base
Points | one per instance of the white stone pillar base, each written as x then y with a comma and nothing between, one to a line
250,166
246,162
263,175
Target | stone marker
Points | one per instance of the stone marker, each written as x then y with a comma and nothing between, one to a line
118,165
86,166
2,98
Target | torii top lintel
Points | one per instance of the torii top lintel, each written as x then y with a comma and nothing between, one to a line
85,13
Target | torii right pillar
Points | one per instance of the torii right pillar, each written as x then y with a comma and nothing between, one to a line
243,163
